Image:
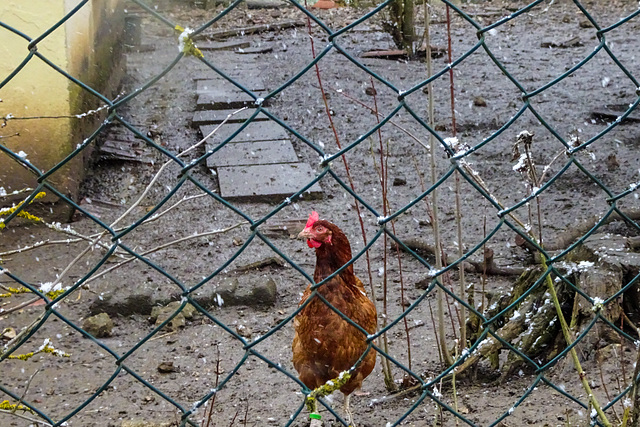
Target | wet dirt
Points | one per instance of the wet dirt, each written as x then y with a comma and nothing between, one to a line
204,353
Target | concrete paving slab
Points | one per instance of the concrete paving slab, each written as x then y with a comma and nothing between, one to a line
266,183
215,117
211,85
224,99
252,153
255,131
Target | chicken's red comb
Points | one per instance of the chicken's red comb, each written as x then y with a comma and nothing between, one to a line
312,219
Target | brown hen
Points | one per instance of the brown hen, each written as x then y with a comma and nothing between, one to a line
325,344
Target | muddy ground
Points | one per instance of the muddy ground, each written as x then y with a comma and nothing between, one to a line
202,351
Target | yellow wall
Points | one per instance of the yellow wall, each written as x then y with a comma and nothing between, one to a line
38,90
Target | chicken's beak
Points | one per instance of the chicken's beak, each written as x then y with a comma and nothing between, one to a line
305,234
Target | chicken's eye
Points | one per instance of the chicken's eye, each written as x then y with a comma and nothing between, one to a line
319,229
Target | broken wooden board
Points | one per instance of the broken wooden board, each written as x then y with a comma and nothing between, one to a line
609,114
572,42
224,45
122,150
252,153
266,183
215,117
255,131
255,50
254,29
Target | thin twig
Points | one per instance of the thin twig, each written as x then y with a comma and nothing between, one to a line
25,417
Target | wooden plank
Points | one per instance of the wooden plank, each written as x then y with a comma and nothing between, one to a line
253,29
608,114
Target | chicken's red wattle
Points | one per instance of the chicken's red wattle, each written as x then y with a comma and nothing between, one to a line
313,243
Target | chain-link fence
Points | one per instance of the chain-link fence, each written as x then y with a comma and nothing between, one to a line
557,282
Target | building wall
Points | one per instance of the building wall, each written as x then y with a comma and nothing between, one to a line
87,46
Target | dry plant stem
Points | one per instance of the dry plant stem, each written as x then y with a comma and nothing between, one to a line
164,246
463,310
26,389
69,241
24,417
379,115
604,384
213,398
635,395
384,181
442,343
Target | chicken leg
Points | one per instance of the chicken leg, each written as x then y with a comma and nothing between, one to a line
347,398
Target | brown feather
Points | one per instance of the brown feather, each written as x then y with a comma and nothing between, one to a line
324,343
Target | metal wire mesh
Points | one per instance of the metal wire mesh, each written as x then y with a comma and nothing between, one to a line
458,164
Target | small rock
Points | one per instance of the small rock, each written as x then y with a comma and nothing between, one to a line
243,331
99,326
8,334
566,19
160,314
237,241
167,367
397,181
585,23
257,295
612,162
479,101
370,91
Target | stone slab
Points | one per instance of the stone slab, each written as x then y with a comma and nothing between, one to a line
224,99
219,83
266,183
215,117
223,45
255,131
252,153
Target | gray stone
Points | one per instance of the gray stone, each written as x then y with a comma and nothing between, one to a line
125,304
243,291
226,98
268,183
223,45
255,131
266,4
224,294
215,117
257,295
99,326
252,153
